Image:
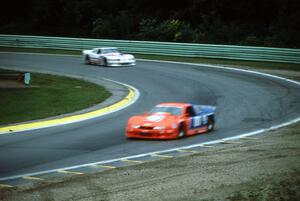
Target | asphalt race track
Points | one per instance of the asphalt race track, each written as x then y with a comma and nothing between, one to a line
245,102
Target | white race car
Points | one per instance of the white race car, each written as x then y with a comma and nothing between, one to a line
108,56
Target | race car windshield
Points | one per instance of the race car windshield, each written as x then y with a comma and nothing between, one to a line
108,51
176,111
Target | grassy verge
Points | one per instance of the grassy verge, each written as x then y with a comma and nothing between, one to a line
40,50
253,64
47,96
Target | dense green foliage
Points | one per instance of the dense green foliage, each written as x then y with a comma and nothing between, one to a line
242,22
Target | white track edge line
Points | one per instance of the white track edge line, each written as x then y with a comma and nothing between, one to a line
183,147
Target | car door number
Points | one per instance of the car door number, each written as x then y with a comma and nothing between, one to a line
199,121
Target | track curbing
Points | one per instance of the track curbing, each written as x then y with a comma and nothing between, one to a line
128,100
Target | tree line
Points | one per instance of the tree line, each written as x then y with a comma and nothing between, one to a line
241,22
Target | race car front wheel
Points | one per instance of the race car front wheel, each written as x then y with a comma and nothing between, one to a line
181,131
87,60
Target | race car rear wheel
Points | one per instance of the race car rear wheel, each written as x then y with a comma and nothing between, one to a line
210,124
181,131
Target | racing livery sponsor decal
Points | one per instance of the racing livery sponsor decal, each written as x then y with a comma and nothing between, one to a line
198,121
155,118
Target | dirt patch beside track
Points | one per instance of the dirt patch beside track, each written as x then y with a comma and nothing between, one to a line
11,84
264,169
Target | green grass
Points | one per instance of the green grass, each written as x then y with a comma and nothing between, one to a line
47,96
238,63
40,50
230,62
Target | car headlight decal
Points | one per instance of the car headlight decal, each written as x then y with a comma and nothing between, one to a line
159,128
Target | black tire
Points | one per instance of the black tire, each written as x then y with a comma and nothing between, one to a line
104,62
181,131
87,60
210,123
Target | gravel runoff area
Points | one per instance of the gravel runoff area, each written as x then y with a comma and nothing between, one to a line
266,168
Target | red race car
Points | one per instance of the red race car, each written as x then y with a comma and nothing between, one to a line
171,121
